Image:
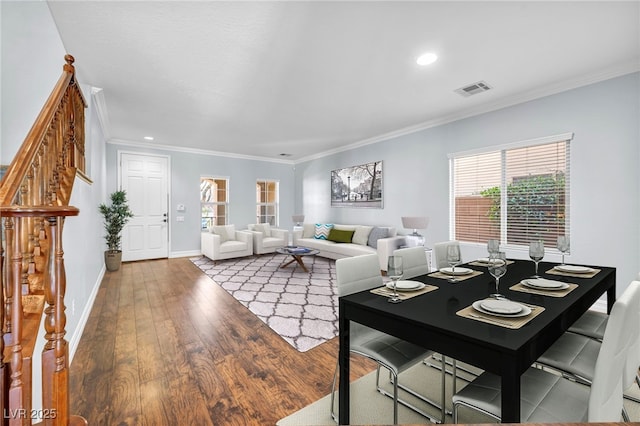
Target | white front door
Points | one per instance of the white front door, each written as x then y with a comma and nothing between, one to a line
145,179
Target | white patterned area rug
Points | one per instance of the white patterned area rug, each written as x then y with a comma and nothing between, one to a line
301,307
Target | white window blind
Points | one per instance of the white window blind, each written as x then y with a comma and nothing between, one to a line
515,194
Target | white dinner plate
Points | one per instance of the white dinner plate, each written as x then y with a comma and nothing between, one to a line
458,271
405,285
499,306
543,284
523,312
574,269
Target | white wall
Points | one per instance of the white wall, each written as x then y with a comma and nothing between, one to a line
32,62
605,178
186,170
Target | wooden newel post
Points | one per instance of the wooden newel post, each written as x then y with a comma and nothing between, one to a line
16,387
55,363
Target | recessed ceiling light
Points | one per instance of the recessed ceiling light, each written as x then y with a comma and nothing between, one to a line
285,155
427,59
149,138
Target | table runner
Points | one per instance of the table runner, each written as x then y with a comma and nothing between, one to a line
506,322
551,293
403,295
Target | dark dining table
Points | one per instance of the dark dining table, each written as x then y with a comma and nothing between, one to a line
430,320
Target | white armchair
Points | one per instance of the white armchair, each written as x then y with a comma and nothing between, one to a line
224,242
267,239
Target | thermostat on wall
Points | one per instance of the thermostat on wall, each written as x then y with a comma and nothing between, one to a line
180,207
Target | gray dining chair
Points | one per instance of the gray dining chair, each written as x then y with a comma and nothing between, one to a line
592,324
574,355
550,398
440,252
360,273
414,262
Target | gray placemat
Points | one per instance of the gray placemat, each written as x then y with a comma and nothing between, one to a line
551,293
458,277
513,323
403,295
554,271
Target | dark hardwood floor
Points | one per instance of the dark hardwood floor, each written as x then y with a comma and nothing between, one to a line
165,345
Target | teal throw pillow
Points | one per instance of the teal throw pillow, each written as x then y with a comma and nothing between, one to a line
322,231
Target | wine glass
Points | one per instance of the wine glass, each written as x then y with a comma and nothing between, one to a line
394,272
536,253
497,268
563,245
493,246
453,259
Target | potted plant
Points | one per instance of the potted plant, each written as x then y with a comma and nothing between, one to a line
116,217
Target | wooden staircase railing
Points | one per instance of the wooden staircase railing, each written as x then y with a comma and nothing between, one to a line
34,202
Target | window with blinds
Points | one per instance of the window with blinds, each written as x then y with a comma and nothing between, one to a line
515,194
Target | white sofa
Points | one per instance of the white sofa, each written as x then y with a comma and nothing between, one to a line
267,239
224,242
360,243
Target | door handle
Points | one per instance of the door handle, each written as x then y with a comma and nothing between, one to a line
165,217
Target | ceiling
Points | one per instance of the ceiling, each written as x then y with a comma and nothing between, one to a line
302,78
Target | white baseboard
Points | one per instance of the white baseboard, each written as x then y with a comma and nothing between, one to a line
75,339
190,253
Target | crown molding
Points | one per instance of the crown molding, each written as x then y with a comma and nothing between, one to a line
552,89
101,110
196,151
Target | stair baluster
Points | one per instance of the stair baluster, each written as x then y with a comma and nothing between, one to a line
34,203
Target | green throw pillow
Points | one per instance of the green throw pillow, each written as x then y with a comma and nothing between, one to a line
340,236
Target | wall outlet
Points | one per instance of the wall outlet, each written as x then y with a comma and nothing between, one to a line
179,218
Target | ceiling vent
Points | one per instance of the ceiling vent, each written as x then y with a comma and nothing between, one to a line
472,89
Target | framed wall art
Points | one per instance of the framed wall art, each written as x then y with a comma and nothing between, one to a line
357,186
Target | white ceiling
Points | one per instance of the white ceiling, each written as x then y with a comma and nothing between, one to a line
305,78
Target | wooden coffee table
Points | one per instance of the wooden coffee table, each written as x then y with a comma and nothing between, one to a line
297,253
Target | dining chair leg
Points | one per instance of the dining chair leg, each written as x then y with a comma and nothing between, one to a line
395,399
423,398
454,375
333,392
443,374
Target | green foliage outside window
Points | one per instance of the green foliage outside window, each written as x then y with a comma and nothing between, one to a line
535,207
